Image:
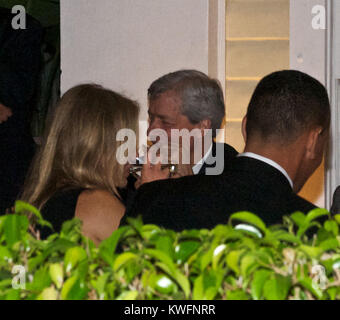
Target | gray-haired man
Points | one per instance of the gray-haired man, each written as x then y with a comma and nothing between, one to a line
188,101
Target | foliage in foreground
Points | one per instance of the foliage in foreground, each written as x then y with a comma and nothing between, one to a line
249,261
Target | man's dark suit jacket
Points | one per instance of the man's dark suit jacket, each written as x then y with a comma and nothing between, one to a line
196,202
20,57
20,61
229,154
335,209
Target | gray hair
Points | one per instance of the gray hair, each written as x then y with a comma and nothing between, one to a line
201,97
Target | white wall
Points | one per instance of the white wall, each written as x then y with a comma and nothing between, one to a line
126,44
333,85
307,45
308,54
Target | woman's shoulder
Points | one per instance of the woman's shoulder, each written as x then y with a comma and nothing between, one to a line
100,212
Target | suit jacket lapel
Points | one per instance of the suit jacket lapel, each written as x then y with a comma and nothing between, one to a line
209,164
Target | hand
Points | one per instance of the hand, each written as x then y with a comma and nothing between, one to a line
182,155
183,170
138,183
5,113
153,172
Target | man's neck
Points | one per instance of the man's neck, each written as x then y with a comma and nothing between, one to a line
288,158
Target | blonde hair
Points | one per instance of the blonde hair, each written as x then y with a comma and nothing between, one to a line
79,150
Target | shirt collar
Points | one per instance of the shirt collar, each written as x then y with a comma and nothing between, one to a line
268,161
197,167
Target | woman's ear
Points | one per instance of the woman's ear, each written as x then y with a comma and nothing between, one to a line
244,131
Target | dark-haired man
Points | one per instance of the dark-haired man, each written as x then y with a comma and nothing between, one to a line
285,130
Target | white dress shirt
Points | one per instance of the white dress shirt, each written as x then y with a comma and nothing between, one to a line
268,161
197,167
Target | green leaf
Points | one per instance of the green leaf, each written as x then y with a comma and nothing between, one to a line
23,208
161,256
73,289
164,284
332,227
299,218
249,230
128,295
259,279
4,254
248,263
48,294
220,231
311,286
149,230
198,290
74,256
136,223
233,260
332,292
191,235
313,252
41,280
100,283
206,258
206,286
183,281
316,213
7,283
2,219
15,228
264,256
237,295
286,236
277,288
329,244
109,245
58,245
122,259
13,295
185,250
218,252
57,274
165,244
249,218
301,231
306,222
337,218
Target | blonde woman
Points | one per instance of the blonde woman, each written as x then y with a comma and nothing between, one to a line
75,173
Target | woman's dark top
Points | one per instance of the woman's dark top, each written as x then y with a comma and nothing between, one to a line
58,209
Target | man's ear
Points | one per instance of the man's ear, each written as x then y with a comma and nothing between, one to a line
314,143
244,131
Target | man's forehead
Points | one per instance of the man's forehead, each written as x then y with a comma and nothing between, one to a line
166,103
